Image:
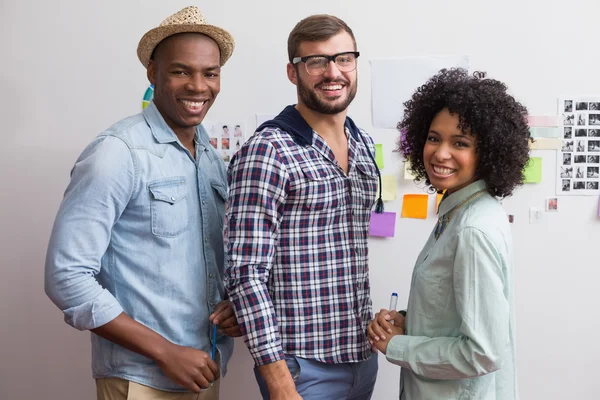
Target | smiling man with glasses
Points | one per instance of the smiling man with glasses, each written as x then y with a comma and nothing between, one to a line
302,190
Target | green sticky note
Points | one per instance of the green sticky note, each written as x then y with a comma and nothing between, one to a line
533,170
379,155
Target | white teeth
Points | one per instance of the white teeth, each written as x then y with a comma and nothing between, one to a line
442,170
332,87
193,104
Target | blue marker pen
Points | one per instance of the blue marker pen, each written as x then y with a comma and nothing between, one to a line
213,353
393,302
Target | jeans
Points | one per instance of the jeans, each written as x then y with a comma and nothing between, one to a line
320,381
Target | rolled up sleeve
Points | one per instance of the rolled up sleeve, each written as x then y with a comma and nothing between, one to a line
101,186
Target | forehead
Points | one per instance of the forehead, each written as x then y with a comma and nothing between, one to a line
446,123
190,47
339,43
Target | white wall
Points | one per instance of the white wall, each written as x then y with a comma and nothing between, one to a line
69,70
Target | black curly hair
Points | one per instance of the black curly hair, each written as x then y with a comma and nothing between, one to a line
485,109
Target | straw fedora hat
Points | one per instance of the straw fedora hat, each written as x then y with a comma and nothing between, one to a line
190,19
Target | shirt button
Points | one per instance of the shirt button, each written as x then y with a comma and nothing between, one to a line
211,275
203,202
205,240
173,198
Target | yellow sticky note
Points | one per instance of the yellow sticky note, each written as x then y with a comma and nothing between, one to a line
388,191
546,144
379,155
415,206
533,170
438,198
407,174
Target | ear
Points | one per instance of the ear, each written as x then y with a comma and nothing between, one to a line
292,74
151,72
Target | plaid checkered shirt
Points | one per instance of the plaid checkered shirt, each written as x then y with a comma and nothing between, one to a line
298,259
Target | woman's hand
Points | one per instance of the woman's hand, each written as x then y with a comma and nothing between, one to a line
381,329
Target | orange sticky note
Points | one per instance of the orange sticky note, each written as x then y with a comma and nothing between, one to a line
415,206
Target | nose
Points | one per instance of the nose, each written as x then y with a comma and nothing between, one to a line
196,83
332,71
443,153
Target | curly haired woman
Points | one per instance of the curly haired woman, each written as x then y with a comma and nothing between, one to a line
467,136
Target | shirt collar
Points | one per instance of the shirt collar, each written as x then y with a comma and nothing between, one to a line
448,203
163,132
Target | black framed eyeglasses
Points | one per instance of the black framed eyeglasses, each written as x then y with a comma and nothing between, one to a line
318,64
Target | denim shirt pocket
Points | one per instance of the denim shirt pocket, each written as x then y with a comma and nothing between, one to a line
168,206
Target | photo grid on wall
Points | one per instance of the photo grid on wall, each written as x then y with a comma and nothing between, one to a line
578,161
226,137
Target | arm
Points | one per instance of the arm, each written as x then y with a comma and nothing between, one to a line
190,368
484,310
257,190
102,182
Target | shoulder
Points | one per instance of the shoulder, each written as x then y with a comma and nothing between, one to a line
130,130
268,144
485,216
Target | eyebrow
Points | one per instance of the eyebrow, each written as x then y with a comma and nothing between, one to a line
177,64
461,135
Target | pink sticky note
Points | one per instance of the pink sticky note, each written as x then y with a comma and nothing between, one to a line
550,120
383,224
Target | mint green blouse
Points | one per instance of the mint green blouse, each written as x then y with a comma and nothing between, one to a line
460,341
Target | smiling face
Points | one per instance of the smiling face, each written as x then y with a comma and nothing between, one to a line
332,92
185,72
449,156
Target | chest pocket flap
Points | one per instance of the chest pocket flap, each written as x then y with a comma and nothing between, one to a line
170,192
169,209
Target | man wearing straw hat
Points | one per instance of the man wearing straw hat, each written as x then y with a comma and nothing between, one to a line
136,253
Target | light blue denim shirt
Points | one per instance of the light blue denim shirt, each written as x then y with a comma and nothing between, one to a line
140,231
460,341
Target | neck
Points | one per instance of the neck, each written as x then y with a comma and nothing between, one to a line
326,125
186,136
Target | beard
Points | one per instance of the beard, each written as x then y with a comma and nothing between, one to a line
311,100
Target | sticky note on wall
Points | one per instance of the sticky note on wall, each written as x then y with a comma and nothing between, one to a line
415,206
379,155
547,120
546,144
407,174
545,132
533,170
389,189
383,225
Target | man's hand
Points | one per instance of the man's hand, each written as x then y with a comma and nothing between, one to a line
190,368
225,319
381,330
